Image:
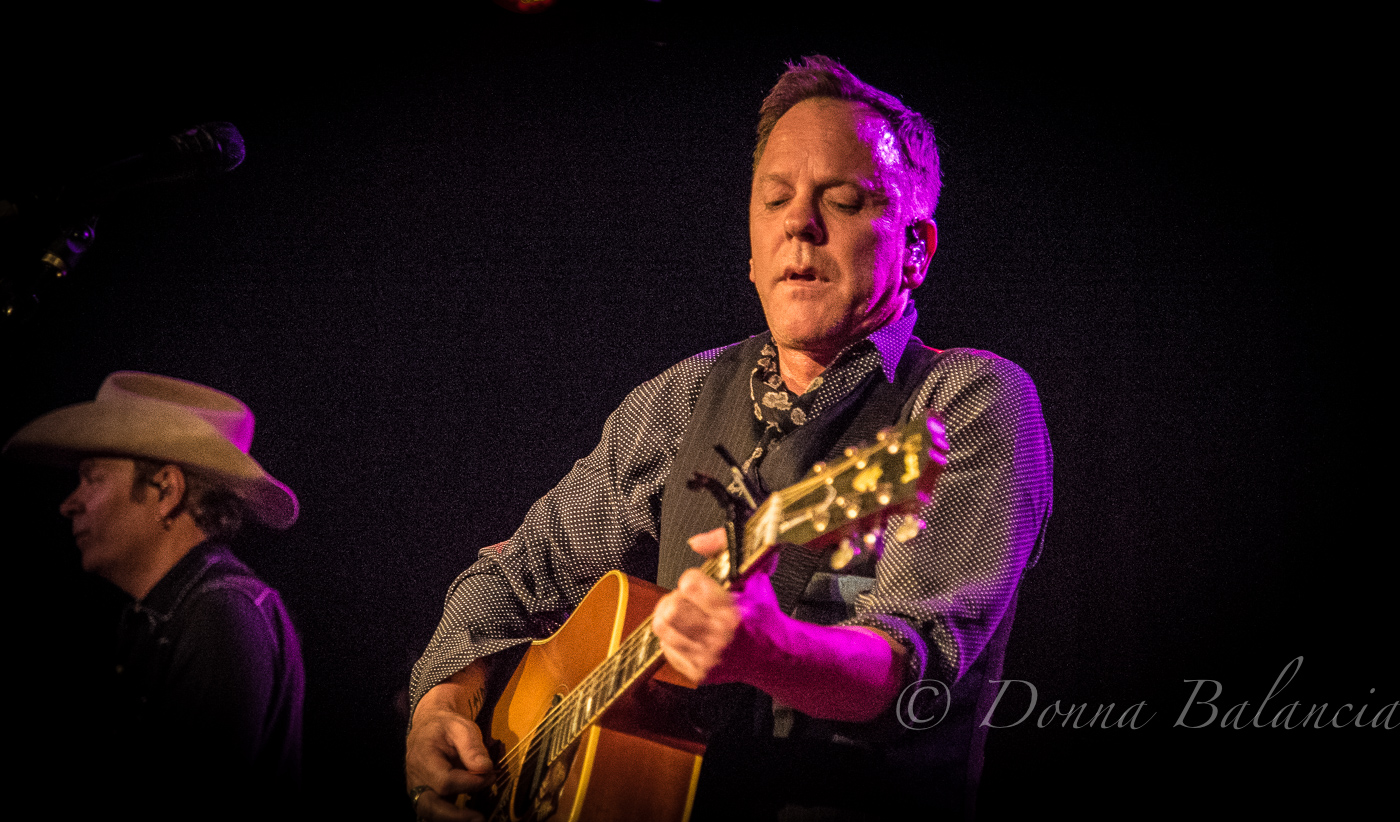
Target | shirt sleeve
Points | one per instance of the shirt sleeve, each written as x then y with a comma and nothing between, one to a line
604,514
943,593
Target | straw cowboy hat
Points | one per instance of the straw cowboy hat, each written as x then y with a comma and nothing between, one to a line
165,420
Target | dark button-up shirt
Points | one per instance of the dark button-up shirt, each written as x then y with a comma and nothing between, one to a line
207,685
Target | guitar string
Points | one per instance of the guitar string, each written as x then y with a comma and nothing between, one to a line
637,641
635,647
537,736
611,669
568,707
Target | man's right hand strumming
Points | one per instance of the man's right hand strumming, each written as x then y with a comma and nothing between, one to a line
446,753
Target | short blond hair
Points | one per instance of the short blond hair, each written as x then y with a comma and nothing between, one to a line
822,77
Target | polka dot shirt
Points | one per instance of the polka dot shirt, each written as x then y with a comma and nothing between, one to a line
941,594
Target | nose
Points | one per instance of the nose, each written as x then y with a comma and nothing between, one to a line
70,506
803,221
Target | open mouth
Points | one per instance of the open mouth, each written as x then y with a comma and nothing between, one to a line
801,275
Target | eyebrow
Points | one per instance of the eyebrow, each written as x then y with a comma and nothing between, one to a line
90,466
874,186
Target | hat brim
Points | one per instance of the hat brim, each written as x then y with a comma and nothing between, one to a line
67,436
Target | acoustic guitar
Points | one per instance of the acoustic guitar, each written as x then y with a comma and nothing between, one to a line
589,727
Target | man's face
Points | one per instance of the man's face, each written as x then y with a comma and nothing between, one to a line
113,531
826,227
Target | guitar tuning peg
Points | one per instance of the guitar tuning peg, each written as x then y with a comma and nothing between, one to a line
874,541
843,555
909,528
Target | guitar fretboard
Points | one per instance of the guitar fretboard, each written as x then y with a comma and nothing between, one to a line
638,655
860,492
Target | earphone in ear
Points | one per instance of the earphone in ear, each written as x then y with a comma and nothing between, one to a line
918,249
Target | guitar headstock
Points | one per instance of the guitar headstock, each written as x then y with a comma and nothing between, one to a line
847,503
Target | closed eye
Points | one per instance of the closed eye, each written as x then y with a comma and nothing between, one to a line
847,199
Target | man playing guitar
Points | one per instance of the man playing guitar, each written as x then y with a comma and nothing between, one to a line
844,187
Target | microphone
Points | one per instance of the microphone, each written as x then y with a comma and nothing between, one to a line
203,151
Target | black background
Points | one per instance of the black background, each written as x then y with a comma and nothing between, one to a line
458,242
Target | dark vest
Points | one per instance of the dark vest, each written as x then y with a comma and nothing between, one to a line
768,760
722,415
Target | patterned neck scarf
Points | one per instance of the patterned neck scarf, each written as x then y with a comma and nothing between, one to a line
776,408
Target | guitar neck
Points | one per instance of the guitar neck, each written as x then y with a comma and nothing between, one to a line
845,503
638,657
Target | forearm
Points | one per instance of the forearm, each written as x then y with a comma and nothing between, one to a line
944,592
463,693
481,618
709,634
849,674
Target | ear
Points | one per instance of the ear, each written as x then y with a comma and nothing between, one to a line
751,279
922,235
170,489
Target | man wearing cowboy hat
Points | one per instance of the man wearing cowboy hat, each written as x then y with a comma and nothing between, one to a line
206,670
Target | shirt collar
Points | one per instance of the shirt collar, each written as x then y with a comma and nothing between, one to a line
889,341
165,597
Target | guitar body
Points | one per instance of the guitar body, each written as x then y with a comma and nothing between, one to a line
635,762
